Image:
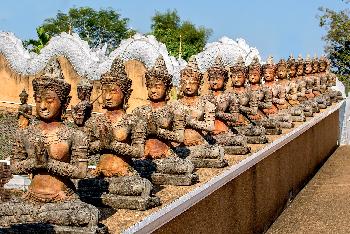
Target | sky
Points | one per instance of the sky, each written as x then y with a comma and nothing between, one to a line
274,27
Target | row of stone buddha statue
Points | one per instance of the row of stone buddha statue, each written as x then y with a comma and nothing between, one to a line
161,143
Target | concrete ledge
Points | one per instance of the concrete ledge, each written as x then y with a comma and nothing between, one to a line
250,195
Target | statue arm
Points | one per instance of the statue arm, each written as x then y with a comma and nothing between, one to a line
177,134
209,116
20,162
77,167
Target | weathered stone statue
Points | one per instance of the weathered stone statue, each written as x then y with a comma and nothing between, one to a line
280,96
265,116
225,102
322,100
117,137
5,175
247,108
200,121
165,122
24,110
82,111
294,91
328,79
53,153
302,98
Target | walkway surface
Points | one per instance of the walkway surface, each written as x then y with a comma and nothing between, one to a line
323,206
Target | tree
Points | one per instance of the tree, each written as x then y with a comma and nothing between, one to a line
95,27
337,40
37,45
168,28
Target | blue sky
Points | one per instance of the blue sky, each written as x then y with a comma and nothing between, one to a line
276,27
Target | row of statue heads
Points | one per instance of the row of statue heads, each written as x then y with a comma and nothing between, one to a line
161,143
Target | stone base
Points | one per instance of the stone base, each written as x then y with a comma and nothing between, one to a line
322,105
236,150
208,162
37,228
273,131
298,118
170,179
257,139
286,125
308,114
130,202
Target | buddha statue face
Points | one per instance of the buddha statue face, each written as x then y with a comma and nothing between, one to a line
190,83
81,113
157,91
23,99
300,70
292,71
315,67
281,72
269,73
254,76
238,78
112,96
84,94
217,82
308,68
323,66
48,105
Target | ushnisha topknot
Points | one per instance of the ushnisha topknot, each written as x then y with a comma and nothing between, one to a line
254,65
315,60
300,60
282,63
324,59
117,75
52,79
269,63
192,70
307,60
291,61
238,66
218,68
159,72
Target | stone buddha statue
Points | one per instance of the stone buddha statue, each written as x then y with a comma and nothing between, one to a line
165,123
322,100
271,90
280,96
302,98
53,153
200,121
118,138
82,111
328,79
248,104
294,91
24,110
226,103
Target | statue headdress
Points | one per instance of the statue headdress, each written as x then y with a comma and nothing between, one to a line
238,66
255,64
23,94
269,63
300,60
52,79
282,62
159,72
217,68
117,75
192,69
291,61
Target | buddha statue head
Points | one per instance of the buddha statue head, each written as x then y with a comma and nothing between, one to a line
191,78
254,71
23,97
84,89
238,72
158,81
217,75
292,67
116,86
307,65
315,65
269,70
300,65
323,64
51,93
281,69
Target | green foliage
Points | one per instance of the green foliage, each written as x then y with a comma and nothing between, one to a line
95,27
337,38
167,28
37,45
